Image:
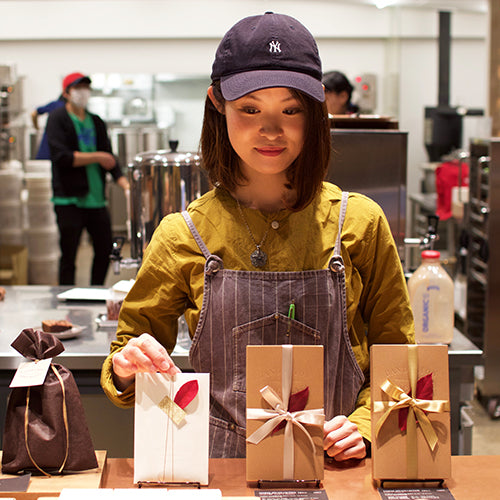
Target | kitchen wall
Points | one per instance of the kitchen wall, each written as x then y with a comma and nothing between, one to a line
47,39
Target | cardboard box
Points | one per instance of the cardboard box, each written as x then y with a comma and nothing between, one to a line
170,444
407,454
301,453
13,265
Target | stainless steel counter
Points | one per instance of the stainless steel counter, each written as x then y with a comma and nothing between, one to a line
463,355
111,428
27,306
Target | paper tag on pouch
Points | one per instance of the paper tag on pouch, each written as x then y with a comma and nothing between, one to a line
31,373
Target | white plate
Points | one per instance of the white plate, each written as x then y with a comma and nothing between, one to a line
100,294
70,333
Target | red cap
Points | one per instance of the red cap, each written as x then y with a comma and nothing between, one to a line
74,79
430,254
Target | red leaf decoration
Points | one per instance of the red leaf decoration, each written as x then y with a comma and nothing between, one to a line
297,402
186,393
425,389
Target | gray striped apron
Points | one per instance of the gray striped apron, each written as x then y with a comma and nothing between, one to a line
251,307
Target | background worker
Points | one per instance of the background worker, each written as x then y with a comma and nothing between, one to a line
81,155
338,94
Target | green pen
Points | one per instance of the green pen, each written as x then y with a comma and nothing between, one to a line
291,315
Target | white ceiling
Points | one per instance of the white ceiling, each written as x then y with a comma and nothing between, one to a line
467,5
452,5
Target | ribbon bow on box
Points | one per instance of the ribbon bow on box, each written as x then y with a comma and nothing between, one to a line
404,402
280,414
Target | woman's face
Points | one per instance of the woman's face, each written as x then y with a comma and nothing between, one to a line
266,129
336,102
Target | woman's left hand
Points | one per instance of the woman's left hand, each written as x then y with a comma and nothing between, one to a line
342,440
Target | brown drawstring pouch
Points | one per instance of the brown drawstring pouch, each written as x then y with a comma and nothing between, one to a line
45,426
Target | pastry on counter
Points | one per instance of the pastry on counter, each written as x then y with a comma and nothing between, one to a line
2,293
56,325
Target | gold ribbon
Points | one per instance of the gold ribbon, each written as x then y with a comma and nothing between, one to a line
65,420
279,413
417,409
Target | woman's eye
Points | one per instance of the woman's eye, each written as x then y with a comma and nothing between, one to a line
292,111
249,110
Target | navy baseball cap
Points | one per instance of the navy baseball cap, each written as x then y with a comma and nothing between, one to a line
270,50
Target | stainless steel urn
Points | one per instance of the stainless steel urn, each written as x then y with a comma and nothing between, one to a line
161,182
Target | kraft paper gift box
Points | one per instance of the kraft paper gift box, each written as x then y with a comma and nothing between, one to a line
280,379
410,435
171,428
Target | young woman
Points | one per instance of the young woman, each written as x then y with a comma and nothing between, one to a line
270,234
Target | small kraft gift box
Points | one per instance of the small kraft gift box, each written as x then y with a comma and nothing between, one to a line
171,428
285,414
410,412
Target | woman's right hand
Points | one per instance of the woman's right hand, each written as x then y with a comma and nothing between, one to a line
141,354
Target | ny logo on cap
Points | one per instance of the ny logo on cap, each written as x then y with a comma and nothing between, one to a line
274,46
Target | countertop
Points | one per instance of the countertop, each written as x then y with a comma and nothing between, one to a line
473,478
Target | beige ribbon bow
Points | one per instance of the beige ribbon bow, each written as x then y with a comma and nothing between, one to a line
279,413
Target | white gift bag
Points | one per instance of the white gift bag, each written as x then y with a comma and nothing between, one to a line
171,440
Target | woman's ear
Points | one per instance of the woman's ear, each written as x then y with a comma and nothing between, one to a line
218,105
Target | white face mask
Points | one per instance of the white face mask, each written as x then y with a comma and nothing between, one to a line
79,97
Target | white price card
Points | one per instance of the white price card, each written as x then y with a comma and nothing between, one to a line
187,494
140,494
31,373
86,493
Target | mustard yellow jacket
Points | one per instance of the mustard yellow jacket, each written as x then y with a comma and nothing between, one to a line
170,280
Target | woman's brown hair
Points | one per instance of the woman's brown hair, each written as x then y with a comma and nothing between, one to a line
306,173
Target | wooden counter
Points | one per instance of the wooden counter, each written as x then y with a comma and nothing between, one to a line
474,478
42,486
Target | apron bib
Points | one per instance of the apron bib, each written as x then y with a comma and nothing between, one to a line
243,308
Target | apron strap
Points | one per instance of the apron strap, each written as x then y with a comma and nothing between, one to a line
343,208
196,234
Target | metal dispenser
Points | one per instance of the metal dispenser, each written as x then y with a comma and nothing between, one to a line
161,182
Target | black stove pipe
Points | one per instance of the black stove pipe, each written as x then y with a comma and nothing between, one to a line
444,59
443,123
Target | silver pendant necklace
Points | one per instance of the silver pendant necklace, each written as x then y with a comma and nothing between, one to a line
258,258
